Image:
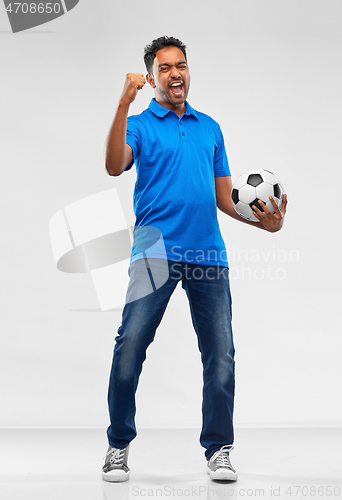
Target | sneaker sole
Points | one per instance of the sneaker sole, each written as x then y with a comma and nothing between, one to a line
222,475
115,476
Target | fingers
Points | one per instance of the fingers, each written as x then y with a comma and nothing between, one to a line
275,206
283,208
265,212
134,82
265,216
137,80
271,221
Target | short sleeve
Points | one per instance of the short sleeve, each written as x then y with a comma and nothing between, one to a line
133,139
221,166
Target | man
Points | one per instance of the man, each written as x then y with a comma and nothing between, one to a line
182,177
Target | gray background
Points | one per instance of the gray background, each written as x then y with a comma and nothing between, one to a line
269,72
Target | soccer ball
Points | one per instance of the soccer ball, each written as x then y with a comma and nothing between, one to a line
252,186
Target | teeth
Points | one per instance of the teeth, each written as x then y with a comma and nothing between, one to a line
175,84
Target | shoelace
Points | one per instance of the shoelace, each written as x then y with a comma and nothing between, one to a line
117,457
221,456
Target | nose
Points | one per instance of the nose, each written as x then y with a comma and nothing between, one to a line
175,73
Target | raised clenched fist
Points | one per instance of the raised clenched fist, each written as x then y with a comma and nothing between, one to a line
133,83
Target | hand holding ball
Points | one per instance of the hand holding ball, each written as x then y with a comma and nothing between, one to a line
252,186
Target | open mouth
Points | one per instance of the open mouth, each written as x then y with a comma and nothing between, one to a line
177,89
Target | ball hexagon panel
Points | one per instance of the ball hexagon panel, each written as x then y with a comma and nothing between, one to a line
269,177
244,210
254,219
247,194
264,190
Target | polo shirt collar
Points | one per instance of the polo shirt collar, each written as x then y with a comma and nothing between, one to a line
160,111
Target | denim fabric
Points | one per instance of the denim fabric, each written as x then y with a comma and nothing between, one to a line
208,292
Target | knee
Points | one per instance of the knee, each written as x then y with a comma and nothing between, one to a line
125,359
129,355
223,367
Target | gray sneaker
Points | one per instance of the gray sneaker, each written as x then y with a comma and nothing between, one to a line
115,468
219,466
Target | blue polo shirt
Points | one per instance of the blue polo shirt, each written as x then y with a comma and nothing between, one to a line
177,160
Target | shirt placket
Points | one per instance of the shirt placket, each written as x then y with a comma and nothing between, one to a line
182,129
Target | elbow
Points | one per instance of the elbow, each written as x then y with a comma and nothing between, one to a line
113,170
220,206
226,208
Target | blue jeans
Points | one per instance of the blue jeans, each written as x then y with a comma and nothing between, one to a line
208,292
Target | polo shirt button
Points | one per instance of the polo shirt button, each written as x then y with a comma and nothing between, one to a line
183,133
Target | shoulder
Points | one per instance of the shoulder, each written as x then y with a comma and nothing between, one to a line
209,124
208,120
140,118
138,124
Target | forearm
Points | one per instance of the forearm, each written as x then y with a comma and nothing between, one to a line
228,209
116,142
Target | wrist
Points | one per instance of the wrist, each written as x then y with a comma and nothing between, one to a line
124,104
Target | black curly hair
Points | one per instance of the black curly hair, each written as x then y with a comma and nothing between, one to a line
160,43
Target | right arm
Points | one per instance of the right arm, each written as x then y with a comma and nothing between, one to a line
118,153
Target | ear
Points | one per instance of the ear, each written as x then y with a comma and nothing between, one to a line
150,80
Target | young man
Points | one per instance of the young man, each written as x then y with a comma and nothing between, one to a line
182,177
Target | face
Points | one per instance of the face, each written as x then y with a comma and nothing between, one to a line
171,77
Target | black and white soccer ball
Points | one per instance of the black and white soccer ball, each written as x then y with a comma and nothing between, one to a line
252,186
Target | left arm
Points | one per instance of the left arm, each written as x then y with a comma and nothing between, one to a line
268,221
